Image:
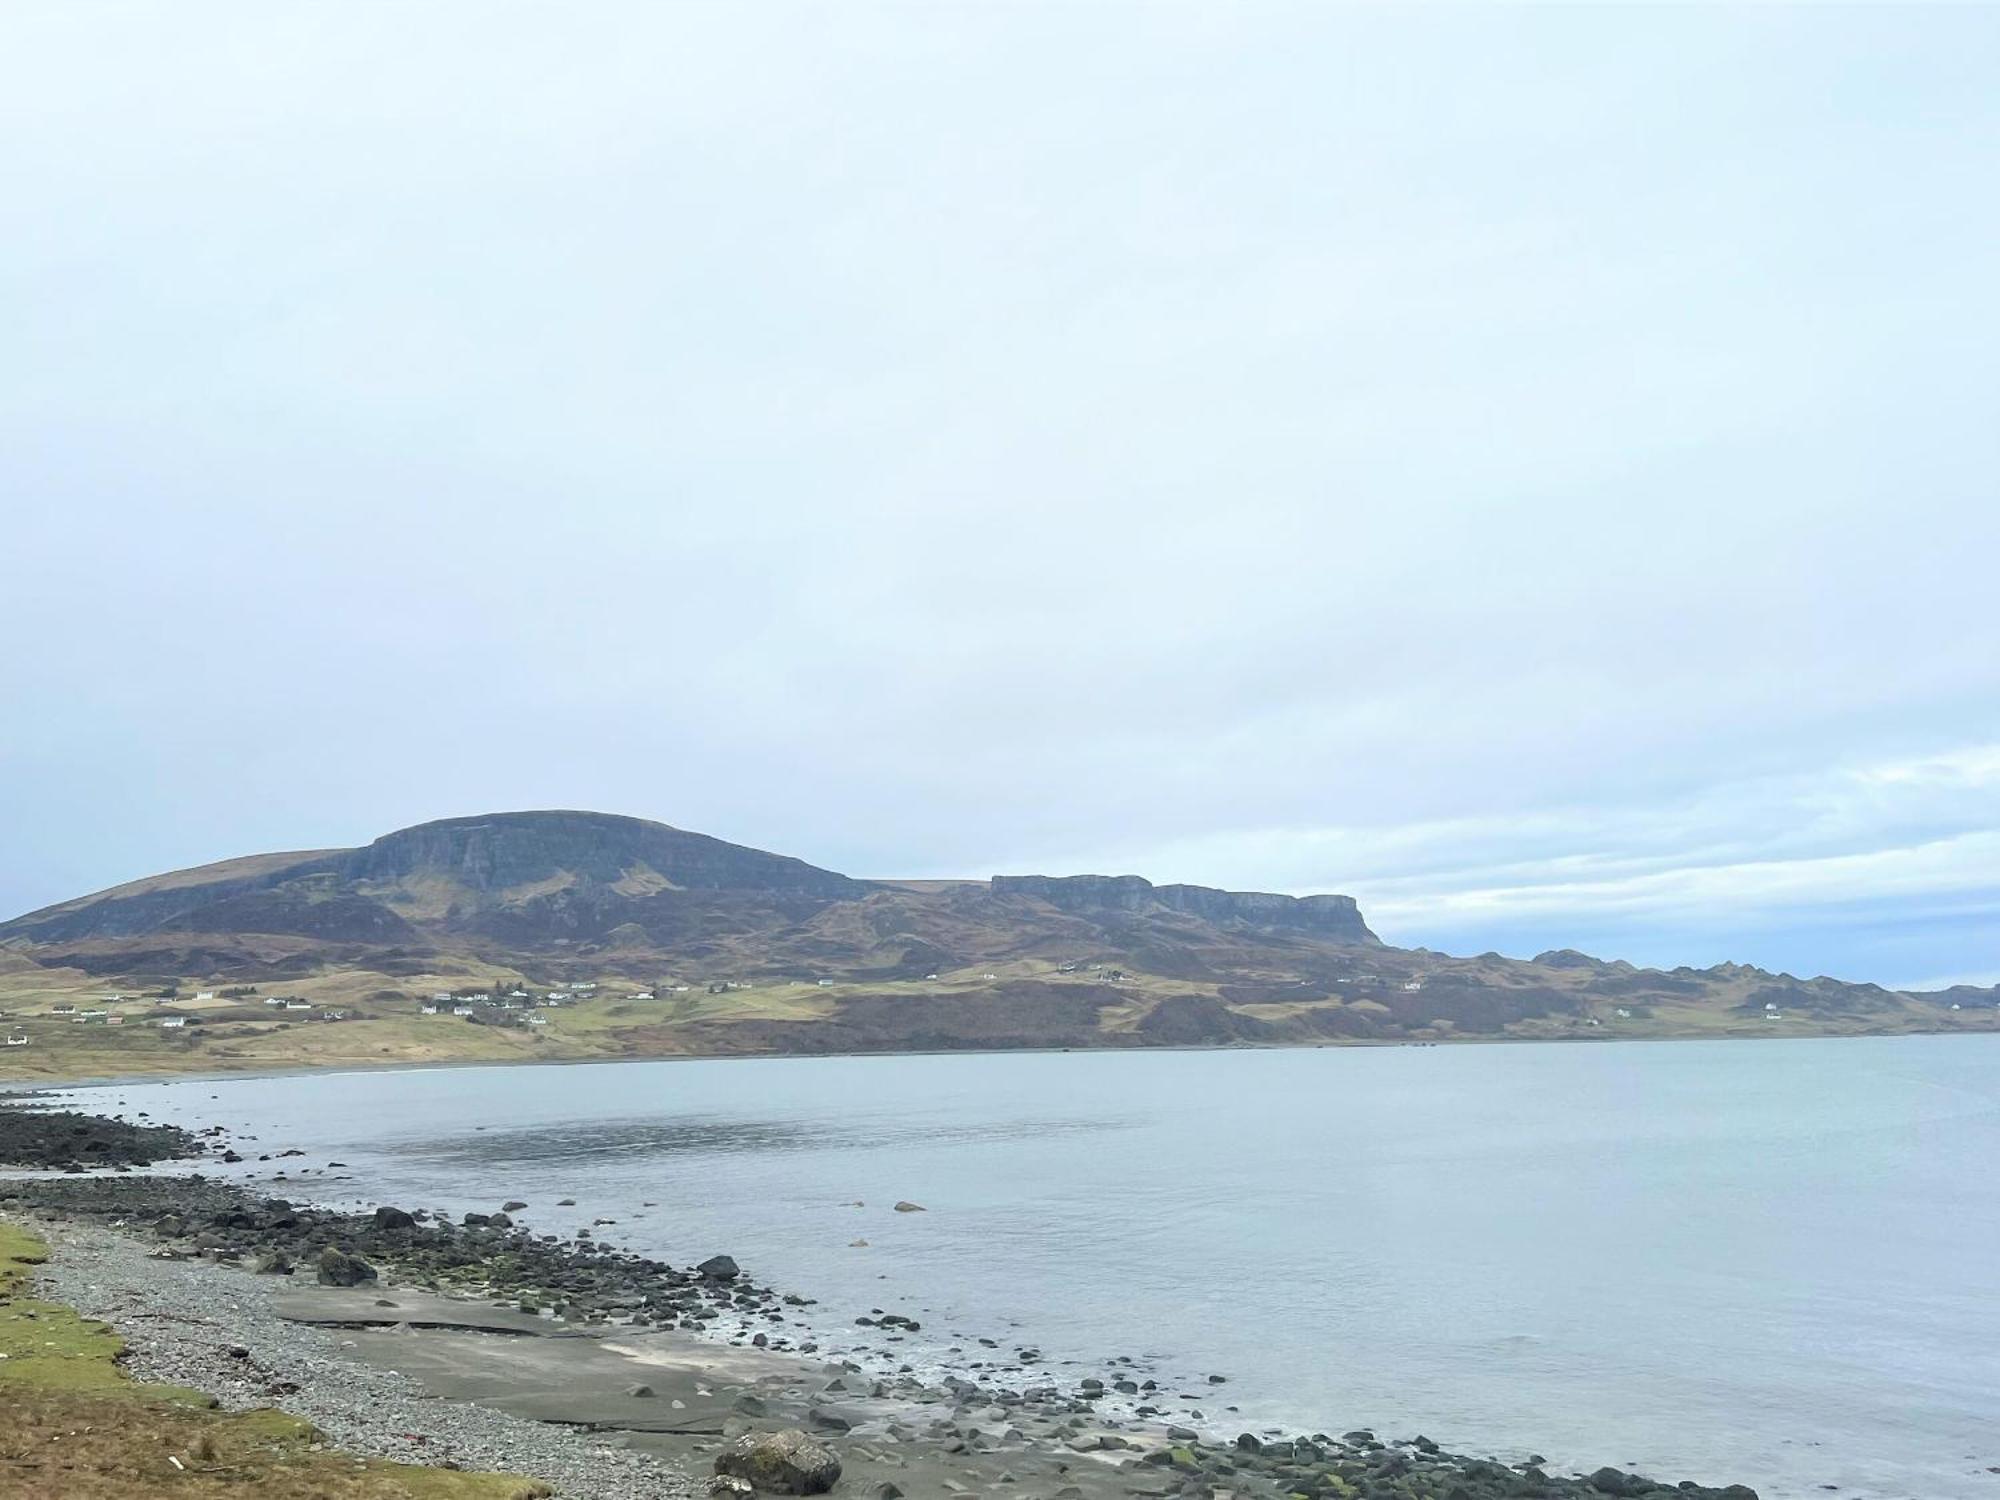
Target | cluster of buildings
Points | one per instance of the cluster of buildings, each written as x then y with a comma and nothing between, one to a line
101,1015
519,1006
514,1008
1110,976
87,1017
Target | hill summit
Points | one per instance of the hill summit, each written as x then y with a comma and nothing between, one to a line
522,884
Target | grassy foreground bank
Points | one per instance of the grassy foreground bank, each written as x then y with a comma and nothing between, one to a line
74,1426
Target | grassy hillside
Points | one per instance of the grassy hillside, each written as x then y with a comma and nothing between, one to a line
1023,1004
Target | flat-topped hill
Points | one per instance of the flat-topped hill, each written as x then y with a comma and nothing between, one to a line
533,885
734,948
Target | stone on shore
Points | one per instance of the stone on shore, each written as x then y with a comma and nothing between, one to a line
784,1463
719,1268
338,1268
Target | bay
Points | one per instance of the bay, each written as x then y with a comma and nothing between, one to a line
1770,1262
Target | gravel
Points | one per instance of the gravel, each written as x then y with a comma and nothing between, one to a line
195,1324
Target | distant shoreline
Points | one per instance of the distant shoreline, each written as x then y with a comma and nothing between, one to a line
22,1086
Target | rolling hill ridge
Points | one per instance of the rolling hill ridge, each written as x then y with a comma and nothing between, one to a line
736,949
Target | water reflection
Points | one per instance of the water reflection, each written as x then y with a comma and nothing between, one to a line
719,1135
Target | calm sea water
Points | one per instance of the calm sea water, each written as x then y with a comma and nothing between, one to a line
1769,1262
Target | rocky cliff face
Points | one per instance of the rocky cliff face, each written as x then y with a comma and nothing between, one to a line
559,884
504,850
347,895
1079,893
1334,918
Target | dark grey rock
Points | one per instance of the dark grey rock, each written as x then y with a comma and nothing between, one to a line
784,1463
338,1268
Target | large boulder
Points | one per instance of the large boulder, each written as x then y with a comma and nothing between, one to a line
338,1268
394,1218
784,1463
719,1268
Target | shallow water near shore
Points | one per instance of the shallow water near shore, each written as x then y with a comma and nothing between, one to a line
1771,1262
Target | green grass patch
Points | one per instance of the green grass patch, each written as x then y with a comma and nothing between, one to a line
74,1426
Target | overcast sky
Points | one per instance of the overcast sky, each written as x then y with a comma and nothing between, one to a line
1535,471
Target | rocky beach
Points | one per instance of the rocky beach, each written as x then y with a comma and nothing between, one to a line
476,1342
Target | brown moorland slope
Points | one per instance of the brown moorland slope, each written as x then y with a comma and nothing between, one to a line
574,934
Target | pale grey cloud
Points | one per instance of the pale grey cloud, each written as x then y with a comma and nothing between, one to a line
1768,867
1514,465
